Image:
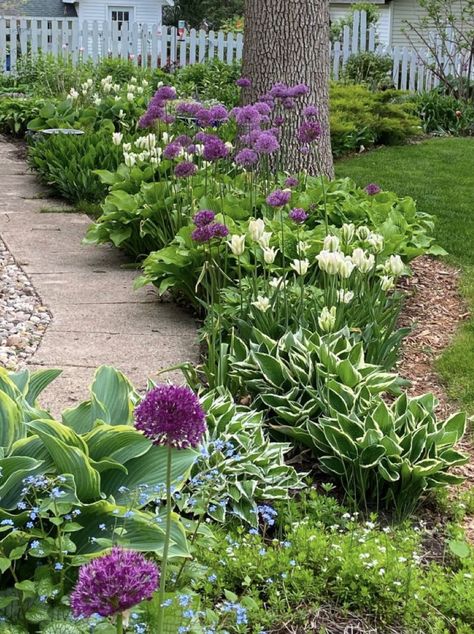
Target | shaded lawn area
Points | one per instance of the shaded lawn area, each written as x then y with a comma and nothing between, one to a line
439,175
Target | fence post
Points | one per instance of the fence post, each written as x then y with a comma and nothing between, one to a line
363,31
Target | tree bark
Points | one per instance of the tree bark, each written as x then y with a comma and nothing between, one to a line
288,41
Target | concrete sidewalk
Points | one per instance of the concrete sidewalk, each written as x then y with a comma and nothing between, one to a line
97,317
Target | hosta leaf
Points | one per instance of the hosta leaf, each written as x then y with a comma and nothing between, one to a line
82,417
371,456
427,467
113,391
454,429
11,425
270,368
13,471
340,442
348,374
38,382
333,465
118,442
453,458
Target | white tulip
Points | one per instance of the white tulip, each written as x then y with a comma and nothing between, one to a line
133,80
237,244
116,87
165,137
327,318
300,266
130,159
130,96
368,264
375,240
331,243
121,114
363,233
97,100
278,282
386,283
90,82
345,267
256,229
345,297
262,303
394,265
329,261
358,256
302,247
73,94
126,147
269,254
117,98
264,240
144,83
117,138
229,146
348,231
140,90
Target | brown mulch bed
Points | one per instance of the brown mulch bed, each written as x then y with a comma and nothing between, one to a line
434,309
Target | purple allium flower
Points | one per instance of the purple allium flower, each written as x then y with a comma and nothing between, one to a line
168,118
288,103
203,217
191,149
247,115
279,121
299,90
188,109
246,157
202,137
266,143
172,150
214,149
185,169
114,583
165,93
372,189
291,181
183,140
263,108
204,117
310,111
279,91
243,82
278,198
209,232
309,131
218,113
298,215
171,415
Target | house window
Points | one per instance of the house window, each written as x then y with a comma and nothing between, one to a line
120,15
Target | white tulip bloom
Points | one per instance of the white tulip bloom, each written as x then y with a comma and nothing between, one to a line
358,256
262,303
330,261
130,159
237,244
90,82
278,282
144,83
269,254
130,96
363,233
386,283
117,138
327,318
367,264
117,98
264,240
140,90
375,240
97,100
394,265
256,229
73,94
348,231
345,267
133,80
300,266
127,147
345,297
116,87
331,243
165,137
302,247
229,146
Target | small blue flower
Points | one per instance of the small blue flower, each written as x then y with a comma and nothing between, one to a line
188,614
212,578
102,527
262,551
43,598
30,525
34,544
212,508
184,600
167,603
21,506
253,531
292,562
58,566
7,523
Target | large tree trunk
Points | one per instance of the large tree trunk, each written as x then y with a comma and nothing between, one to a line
288,41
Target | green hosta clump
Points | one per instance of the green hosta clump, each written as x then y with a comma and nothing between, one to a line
393,454
303,375
238,465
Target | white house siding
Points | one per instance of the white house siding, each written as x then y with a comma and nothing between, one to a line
409,10
338,11
144,11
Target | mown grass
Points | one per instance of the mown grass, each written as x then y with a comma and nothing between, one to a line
439,174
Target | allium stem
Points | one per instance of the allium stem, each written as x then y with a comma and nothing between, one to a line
119,623
164,563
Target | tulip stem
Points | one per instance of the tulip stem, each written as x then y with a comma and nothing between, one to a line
161,596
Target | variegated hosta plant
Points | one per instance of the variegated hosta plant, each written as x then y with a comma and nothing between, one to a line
303,375
393,454
238,466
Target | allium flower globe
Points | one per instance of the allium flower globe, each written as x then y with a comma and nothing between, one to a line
203,217
372,189
298,215
171,415
114,583
279,198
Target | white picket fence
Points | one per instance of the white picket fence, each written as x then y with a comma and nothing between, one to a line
156,46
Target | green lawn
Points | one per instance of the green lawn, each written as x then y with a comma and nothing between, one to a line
439,174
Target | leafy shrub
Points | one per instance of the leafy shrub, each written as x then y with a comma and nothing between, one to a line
369,68
361,117
67,163
16,113
390,456
213,81
441,113
304,375
50,75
